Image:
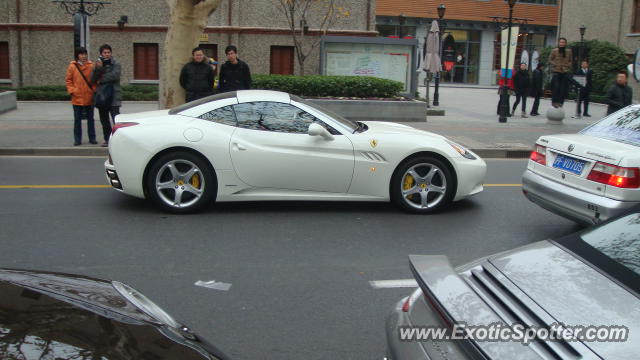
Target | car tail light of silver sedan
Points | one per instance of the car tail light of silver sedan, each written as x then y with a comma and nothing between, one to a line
628,178
539,155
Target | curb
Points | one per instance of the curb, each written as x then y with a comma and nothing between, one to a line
511,153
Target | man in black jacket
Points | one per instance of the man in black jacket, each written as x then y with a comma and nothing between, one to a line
197,76
619,94
586,90
521,83
537,89
234,73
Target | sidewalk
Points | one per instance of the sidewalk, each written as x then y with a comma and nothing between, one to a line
46,128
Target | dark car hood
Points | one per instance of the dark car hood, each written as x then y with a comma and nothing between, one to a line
67,316
574,293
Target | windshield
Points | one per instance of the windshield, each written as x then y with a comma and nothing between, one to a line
619,240
622,126
351,125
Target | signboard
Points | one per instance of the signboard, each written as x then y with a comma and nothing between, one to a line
507,67
204,37
581,80
385,61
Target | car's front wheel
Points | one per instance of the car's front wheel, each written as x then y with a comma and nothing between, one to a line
423,184
181,182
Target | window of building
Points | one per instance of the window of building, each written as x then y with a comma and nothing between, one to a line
396,30
145,61
4,60
635,25
461,48
282,60
224,115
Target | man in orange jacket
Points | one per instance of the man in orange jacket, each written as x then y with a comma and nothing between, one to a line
81,91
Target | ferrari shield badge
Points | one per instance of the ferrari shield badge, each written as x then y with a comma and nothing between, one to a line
373,143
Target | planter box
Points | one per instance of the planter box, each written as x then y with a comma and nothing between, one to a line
377,110
8,101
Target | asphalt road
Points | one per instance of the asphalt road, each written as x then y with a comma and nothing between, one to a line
300,272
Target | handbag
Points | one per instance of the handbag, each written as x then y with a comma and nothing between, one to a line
104,96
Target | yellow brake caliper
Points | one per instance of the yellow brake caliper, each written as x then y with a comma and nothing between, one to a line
408,184
195,181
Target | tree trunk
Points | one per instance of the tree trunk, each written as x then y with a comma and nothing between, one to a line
187,22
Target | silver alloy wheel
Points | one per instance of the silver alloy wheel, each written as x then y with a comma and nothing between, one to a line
423,186
176,183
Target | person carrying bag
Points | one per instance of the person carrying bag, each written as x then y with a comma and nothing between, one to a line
81,91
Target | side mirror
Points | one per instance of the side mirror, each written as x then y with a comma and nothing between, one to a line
318,130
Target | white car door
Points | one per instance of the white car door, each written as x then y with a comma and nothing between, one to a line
271,148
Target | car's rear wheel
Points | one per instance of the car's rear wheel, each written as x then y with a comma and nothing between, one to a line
422,184
181,182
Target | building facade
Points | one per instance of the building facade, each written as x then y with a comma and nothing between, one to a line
36,37
615,21
475,39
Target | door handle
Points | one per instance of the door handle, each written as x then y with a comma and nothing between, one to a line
240,146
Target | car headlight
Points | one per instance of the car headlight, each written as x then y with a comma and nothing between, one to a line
462,150
144,304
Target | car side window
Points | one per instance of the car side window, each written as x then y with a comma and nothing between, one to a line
223,115
274,116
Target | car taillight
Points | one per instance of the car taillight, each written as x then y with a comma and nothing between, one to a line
121,125
407,304
539,155
617,176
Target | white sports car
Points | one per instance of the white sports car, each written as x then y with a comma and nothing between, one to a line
267,145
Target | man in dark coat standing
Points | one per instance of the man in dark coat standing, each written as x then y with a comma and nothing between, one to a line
537,89
585,91
619,95
522,83
197,76
234,73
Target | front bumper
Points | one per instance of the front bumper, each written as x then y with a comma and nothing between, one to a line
574,204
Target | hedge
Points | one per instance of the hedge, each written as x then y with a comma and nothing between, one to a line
329,86
308,86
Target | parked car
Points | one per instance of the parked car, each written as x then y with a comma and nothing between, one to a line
590,176
266,145
46,315
590,278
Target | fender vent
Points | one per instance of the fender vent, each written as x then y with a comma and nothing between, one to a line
373,156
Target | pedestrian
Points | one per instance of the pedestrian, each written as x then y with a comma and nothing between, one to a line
619,94
560,61
196,77
585,91
522,84
108,98
81,90
234,73
537,88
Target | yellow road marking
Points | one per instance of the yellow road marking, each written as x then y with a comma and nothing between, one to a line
54,186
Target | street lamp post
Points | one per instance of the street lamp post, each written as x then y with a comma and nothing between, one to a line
436,94
504,91
401,20
81,10
583,29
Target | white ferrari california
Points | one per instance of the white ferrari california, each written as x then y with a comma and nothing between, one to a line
266,145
